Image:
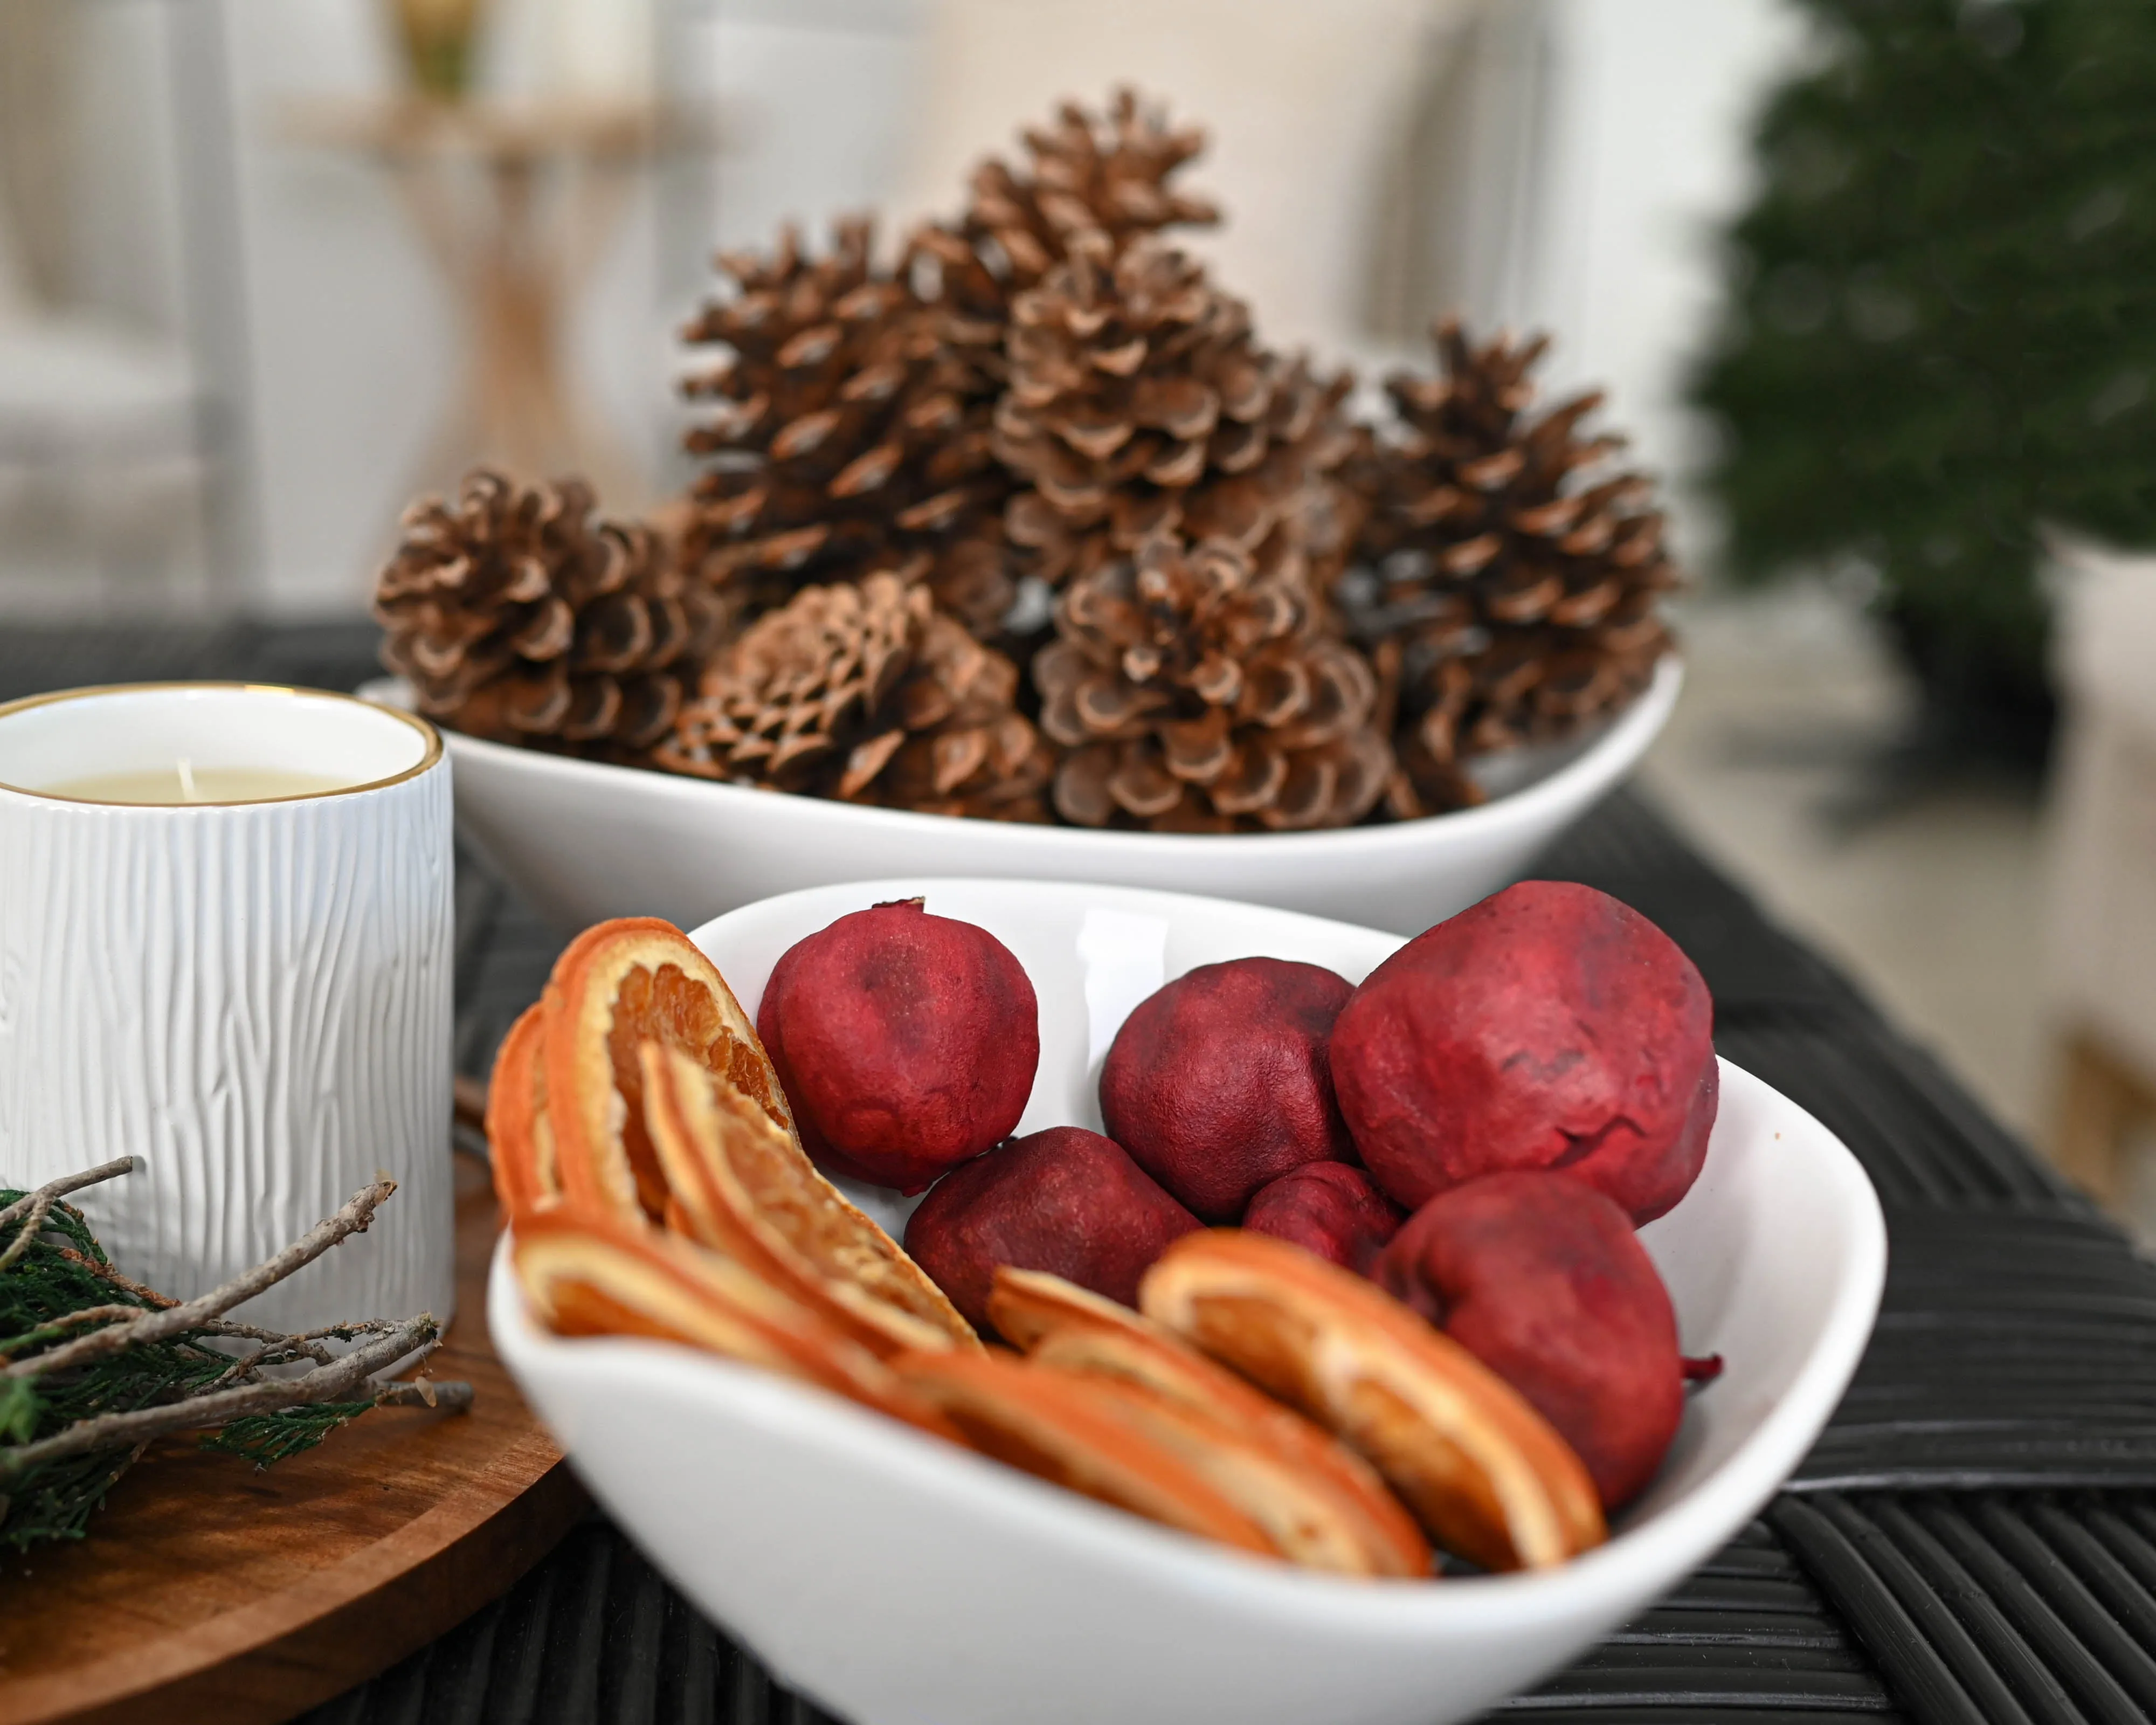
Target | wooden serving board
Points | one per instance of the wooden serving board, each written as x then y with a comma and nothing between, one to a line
208,1591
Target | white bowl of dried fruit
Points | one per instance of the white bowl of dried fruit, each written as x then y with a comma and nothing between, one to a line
1221,1504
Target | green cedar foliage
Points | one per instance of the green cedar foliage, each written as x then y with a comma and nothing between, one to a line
1940,334
51,1279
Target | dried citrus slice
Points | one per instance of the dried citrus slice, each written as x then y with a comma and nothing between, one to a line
597,1275
1073,1432
740,1184
1323,1505
520,1139
618,985
1482,1471
1305,1522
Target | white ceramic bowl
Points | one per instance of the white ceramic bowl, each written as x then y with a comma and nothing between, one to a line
899,1581
584,840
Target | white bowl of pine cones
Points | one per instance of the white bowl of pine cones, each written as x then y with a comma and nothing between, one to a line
1020,555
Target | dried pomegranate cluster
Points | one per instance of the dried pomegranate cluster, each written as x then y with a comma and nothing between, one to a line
1220,1314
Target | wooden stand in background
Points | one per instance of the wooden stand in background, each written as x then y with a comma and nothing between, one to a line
210,1592
516,203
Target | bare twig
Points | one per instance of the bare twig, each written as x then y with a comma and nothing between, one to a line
279,1348
65,1321
174,1319
126,1284
66,1184
41,1207
283,1350
452,1394
335,1382
36,1206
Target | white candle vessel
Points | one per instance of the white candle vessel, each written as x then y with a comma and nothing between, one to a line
249,991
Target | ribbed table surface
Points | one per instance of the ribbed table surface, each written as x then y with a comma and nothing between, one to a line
1973,1538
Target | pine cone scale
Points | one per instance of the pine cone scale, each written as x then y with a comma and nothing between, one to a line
858,421
867,692
1521,580
516,614
1187,685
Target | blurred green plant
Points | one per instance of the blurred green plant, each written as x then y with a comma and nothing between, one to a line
439,37
1940,329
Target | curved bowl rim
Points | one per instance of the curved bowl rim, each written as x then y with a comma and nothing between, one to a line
1637,1561
1601,762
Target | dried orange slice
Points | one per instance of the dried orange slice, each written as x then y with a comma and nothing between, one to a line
1026,1305
1482,1471
520,1139
1305,1523
597,1275
1073,1432
738,1182
1321,1504
618,985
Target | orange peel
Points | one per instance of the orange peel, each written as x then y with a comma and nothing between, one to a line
598,1275
1484,1472
739,1183
618,985
1078,1433
520,1138
1321,1504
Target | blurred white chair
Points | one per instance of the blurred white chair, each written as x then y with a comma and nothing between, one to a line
1311,106
98,422
2101,933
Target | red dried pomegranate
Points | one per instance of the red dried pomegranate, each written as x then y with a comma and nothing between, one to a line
1549,1026
1543,1281
1328,1207
1220,1082
1064,1200
906,1042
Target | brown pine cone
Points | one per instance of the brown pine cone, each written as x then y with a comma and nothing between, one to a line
1091,173
1195,694
1519,584
865,692
844,442
1140,405
518,616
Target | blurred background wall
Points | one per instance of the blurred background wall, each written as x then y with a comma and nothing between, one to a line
168,190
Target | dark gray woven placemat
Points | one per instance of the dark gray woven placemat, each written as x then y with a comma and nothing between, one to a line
1972,1538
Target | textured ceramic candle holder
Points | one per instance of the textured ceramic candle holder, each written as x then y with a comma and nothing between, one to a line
252,997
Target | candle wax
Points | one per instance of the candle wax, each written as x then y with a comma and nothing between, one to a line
207,783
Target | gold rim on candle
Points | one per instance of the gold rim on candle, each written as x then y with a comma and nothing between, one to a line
429,734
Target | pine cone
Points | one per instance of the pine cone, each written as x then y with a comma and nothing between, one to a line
518,617
1103,174
1520,587
844,442
1195,694
867,693
1140,405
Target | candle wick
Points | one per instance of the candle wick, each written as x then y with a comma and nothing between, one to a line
188,782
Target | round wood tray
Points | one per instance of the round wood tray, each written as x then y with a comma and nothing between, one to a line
210,1591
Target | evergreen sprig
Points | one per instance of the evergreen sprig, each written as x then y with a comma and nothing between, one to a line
94,1367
